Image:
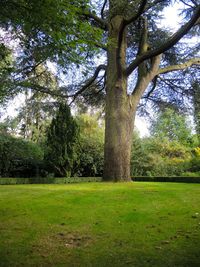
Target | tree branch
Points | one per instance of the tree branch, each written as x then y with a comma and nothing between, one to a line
103,7
144,81
143,7
88,82
102,46
46,90
167,45
178,89
153,87
137,15
186,4
194,2
101,22
129,21
182,66
41,89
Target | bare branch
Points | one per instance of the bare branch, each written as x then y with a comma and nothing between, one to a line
167,45
102,10
182,66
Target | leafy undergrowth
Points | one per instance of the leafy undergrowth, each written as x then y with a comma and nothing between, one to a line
100,224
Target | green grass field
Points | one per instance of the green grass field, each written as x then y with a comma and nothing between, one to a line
100,224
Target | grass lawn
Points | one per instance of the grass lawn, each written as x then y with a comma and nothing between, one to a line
100,224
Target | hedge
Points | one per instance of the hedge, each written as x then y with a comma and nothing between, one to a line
48,180
52,180
176,179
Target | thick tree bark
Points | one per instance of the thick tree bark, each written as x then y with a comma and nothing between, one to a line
120,111
118,136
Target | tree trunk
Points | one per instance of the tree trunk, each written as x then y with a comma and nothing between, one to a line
120,112
118,137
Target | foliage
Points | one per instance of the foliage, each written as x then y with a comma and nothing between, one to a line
197,151
35,114
159,157
52,29
173,145
172,126
91,146
62,138
9,126
140,158
194,164
19,157
6,68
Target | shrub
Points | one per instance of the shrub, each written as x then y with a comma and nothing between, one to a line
91,157
91,146
19,157
155,157
194,164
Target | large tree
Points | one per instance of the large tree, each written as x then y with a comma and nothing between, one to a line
127,34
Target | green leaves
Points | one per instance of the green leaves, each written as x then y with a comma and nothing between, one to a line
18,157
172,126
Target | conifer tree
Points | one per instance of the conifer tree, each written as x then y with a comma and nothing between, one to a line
62,137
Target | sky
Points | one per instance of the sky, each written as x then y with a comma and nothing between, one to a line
171,21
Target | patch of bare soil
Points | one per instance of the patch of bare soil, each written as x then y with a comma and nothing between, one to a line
74,240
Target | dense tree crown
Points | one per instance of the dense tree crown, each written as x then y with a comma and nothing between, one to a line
140,57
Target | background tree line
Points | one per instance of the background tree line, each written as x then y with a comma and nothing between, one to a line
73,146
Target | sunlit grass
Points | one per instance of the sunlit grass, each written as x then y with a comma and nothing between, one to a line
100,224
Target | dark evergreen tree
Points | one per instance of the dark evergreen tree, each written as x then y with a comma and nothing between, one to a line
62,137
